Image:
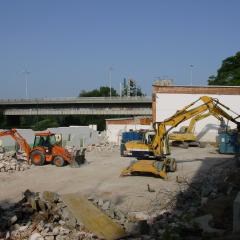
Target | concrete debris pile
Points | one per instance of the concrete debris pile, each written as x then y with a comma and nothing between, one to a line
134,223
10,164
102,147
40,217
202,209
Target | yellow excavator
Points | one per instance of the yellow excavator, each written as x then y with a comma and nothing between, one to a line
186,137
161,164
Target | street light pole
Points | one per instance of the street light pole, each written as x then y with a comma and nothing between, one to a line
26,73
110,81
191,74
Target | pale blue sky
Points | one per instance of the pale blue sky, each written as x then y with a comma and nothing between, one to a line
68,46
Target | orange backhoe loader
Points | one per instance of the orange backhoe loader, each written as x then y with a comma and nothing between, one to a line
45,149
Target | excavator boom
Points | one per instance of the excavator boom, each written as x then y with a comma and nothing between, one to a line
160,144
186,136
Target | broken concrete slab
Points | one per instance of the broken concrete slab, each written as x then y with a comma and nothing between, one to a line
92,218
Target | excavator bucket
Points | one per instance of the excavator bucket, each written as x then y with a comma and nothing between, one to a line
78,158
157,168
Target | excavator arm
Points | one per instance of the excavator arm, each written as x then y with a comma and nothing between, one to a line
160,143
19,139
186,136
192,124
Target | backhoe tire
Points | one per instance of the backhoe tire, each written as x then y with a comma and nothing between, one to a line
59,161
37,158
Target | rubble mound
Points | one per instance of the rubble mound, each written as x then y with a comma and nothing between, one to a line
40,217
9,164
102,147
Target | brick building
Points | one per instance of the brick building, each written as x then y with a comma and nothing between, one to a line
168,99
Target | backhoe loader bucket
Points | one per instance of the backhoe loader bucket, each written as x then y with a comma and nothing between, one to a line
157,168
78,158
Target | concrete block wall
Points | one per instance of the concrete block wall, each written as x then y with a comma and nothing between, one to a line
72,136
77,135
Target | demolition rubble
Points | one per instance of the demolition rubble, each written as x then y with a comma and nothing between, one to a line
9,163
202,208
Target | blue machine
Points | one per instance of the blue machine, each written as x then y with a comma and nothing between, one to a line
229,142
129,136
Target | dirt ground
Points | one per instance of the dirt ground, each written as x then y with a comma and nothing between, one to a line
101,176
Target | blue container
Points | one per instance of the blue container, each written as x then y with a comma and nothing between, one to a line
131,136
229,142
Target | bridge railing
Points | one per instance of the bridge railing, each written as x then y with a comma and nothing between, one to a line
76,99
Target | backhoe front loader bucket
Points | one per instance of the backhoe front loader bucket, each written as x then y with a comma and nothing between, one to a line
157,168
78,158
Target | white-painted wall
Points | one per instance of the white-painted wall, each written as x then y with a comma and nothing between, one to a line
206,129
72,136
114,131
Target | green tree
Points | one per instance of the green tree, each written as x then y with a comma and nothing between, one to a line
229,72
103,91
46,123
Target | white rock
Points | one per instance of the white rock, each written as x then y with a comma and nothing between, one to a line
36,236
23,228
137,216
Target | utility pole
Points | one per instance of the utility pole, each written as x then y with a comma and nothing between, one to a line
26,74
191,74
120,90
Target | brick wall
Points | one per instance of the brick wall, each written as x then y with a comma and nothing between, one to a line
226,90
203,90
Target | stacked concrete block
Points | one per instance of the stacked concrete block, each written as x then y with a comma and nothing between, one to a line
77,136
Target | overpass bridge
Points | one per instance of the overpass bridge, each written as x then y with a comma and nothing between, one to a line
131,106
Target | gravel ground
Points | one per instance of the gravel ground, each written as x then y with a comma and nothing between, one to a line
101,176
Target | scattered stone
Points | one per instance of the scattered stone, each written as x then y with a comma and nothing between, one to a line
100,202
22,228
10,164
49,238
36,236
106,205
7,235
13,220
137,216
